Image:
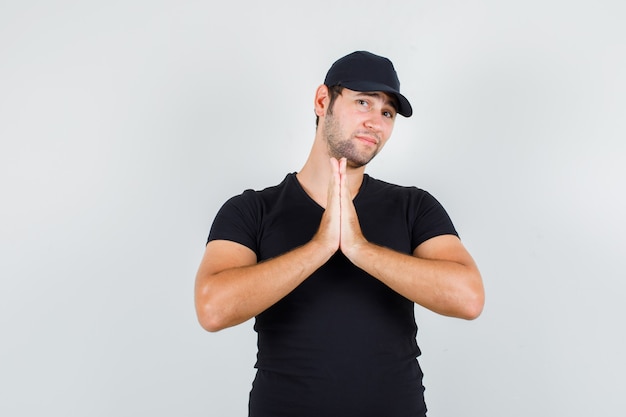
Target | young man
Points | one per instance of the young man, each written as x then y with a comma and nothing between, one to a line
331,262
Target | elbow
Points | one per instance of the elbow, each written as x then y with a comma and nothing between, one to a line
211,313
473,305
211,317
472,311
473,300
209,325
209,320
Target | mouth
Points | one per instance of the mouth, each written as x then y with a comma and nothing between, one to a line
370,140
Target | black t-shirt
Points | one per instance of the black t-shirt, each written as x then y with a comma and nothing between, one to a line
341,343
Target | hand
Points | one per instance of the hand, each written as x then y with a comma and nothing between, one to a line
339,227
351,237
329,232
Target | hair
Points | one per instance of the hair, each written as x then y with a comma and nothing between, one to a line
333,92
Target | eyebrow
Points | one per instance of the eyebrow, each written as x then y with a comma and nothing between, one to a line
392,101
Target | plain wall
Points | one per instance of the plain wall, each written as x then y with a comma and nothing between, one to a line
124,126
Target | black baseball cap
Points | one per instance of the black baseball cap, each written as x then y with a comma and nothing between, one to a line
365,71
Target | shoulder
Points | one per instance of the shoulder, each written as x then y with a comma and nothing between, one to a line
420,205
255,198
241,216
384,189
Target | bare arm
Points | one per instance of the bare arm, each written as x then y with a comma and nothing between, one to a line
440,274
231,287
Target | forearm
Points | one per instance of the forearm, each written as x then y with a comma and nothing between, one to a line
446,287
234,295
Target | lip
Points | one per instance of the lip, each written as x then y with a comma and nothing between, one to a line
368,139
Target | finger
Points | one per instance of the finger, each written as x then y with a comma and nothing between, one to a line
334,182
343,186
331,219
335,167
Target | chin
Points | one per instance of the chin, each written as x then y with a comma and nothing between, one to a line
357,163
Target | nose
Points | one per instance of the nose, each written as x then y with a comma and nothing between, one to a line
374,121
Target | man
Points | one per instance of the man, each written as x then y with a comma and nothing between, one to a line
331,262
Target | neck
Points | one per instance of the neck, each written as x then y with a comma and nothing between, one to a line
314,176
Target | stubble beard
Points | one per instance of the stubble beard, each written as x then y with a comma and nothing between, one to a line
344,148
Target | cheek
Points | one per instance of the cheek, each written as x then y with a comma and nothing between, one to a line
383,142
388,130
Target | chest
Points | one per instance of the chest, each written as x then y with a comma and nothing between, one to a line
293,223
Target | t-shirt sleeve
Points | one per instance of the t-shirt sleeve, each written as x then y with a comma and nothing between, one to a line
237,221
431,220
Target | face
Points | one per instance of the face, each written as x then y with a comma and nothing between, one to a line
358,125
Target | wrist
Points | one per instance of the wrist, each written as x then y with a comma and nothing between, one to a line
322,248
356,251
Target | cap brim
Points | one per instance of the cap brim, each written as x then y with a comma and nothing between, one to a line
404,107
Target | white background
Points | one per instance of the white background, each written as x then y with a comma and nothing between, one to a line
124,126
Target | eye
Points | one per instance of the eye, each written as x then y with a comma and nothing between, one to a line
388,114
362,103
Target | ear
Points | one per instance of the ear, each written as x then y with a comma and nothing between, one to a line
321,100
